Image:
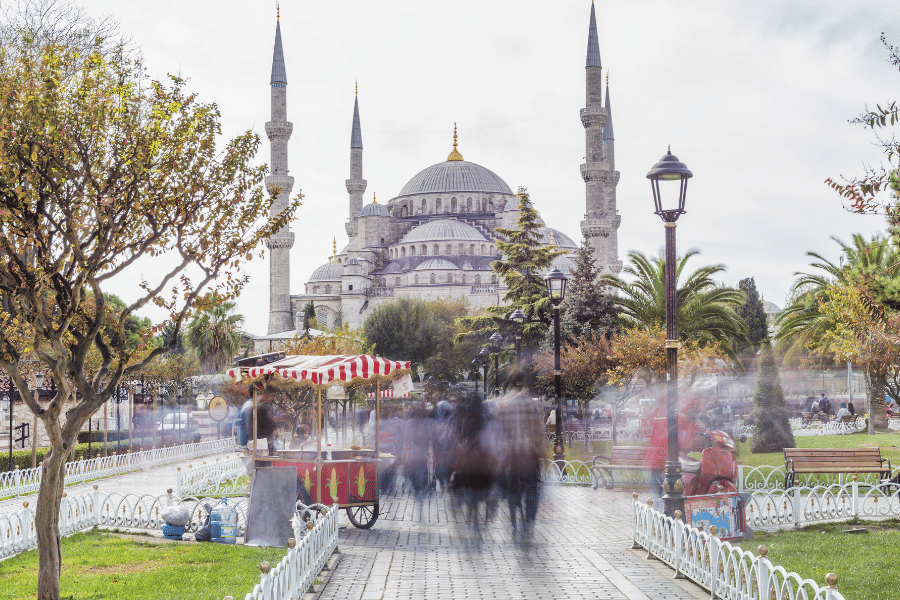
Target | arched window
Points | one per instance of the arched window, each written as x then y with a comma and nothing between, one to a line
462,248
468,205
437,250
478,280
464,279
403,211
491,206
327,289
453,205
424,250
412,250
315,289
382,241
437,206
416,280
472,249
403,252
432,278
397,282
483,205
494,279
449,277
424,206
483,250
449,249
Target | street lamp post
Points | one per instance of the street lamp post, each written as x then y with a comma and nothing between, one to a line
139,391
556,289
38,384
160,390
670,169
483,356
119,390
8,404
519,317
496,341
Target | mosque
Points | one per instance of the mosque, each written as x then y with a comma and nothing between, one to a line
435,238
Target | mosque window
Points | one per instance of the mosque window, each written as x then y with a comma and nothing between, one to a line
437,206
315,289
416,280
437,250
453,205
462,248
449,277
424,250
412,250
491,206
483,250
483,205
464,279
327,289
403,252
382,241
432,278
403,211
449,249
397,282
472,249
494,279
468,205
477,279
350,287
424,206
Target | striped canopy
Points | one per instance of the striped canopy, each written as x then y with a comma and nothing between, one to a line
324,371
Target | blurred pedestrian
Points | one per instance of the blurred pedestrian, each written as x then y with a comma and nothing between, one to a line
418,434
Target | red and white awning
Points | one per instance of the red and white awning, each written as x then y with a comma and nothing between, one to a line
325,370
387,394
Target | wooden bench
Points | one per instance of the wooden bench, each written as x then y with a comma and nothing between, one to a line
621,458
833,460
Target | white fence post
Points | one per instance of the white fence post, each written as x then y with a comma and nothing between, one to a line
796,502
17,481
634,522
763,573
96,500
855,488
265,582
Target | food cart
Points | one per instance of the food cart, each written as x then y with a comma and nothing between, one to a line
347,477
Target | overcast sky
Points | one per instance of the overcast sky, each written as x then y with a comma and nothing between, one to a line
754,97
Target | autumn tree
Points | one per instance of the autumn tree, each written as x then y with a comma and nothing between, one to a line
101,169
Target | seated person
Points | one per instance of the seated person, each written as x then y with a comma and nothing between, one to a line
842,412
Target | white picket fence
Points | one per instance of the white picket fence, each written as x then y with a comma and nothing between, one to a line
27,481
288,581
221,477
727,571
771,477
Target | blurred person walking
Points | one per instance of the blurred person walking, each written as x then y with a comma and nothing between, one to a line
418,434
522,422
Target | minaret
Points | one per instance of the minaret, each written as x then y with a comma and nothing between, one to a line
601,223
279,131
356,185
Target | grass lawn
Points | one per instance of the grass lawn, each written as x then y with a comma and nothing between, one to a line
888,442
865,564
99,564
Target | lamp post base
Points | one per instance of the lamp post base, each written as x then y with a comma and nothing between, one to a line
673,490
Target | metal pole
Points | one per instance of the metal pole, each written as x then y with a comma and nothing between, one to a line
484,383
496,373
9,386
90,454
673,486
559,449
34,430
320,465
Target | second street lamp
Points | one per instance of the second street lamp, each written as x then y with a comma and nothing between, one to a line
669,207
556,289
496,341
483,356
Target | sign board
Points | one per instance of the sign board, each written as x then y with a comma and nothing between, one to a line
403,386
218,409
725,511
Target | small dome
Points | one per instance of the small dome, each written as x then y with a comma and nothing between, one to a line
435,264
374,210
770,308
443,230
559,238
330,271
455,176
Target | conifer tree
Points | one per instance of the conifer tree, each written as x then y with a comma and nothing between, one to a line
587,309
753,312
771,429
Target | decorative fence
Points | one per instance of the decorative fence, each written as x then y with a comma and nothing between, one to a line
817,427
725,570
771,477
222,477
27,481
315,526
604,434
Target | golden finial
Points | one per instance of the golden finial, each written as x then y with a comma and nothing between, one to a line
334,250
278,10
356,84
607,78
455,155
552,241
374,201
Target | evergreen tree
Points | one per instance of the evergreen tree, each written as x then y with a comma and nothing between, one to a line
771,429
523,263
753,312
309,318
587,309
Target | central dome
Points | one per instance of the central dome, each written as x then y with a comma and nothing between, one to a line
441,230
455,176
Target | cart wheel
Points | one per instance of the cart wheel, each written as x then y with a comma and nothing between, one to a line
363,517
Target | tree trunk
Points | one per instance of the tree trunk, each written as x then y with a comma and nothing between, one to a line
47,524
876,401
615,420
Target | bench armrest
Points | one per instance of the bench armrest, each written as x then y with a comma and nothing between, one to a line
594,462
789,464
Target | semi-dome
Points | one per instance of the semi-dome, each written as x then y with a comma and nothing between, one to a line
435,264
440,230
374,210
330,271
512,204
564,264
560,239
455,176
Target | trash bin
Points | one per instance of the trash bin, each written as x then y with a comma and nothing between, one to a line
223,522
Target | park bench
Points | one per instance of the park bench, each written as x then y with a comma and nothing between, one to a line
621,458
833,460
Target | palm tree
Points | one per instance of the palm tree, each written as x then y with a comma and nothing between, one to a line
706,311
803,325
214,337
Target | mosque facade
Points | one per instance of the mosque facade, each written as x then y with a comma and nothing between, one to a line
435,239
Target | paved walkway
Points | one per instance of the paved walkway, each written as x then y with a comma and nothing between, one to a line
581,549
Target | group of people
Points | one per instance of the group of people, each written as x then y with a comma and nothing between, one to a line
481,452
822,409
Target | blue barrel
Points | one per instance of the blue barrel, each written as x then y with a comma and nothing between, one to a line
223,522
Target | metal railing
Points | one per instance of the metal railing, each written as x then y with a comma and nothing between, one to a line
28,481
222,477
727,571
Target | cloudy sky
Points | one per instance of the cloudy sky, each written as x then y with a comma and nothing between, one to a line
754,97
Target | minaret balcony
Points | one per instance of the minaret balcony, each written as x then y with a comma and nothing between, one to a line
279,130
593,117
356,186
599,172
282,239
600,227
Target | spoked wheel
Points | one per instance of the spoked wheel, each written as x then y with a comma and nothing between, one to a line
363,517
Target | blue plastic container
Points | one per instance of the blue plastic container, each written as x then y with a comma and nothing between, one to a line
223,523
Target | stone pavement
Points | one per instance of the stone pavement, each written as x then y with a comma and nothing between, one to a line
582,549
152,481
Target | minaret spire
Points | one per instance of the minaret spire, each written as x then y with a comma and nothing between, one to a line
279,184
608,128
602,220
356,185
